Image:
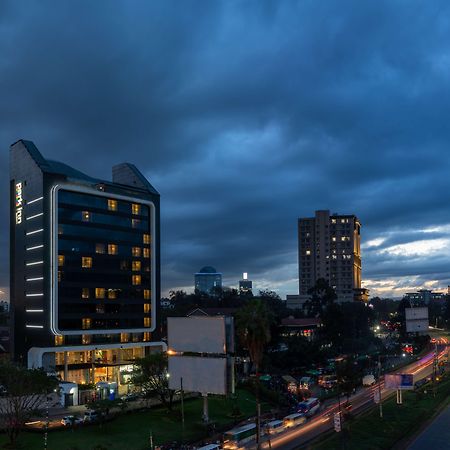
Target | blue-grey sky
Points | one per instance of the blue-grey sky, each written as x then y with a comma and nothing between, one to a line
246,115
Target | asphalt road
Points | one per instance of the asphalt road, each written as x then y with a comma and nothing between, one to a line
361,401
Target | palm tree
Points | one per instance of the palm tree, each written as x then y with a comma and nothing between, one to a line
253,323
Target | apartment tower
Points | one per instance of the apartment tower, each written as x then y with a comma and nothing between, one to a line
329,248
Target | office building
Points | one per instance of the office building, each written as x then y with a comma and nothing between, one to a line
245,285
85,267
329,248
425,297
208,281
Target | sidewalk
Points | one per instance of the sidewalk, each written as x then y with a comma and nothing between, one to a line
436,435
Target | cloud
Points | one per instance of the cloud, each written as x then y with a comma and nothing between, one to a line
245,116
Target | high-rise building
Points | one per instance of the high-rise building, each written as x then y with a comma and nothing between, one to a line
208,281
329,248
85,267
245,285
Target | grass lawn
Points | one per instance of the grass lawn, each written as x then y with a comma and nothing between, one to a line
369,432
132,431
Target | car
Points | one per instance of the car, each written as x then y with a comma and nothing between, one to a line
71,420
91,416
368,380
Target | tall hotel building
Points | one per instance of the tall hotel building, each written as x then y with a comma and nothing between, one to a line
85,276
329,248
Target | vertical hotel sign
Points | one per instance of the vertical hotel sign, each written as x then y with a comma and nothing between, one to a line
19,203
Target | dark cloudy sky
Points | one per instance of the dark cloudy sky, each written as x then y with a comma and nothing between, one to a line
246,115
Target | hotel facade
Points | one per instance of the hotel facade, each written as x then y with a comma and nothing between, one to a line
85,268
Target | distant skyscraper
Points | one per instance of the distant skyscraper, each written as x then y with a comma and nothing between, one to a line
245,285
208,281
329,248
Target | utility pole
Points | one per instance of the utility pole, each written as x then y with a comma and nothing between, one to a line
379,386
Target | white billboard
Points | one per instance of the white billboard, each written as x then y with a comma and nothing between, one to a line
197,334
416,319
204,375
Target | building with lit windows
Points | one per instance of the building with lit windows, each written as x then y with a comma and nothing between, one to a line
245,285
208,281
329,247
85,267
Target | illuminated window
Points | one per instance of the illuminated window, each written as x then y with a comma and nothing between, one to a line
59,340
136,251
136,266
99,292
146,238
112,293
333,238
112,205
333,220
308,252
124,337
100,309
136,280
146,322
86,262
84,292
113,249
146,294
85,216
135,208
100,248
86,339
86,324
135,223
146,253
60,260
146,308
59,276
147,336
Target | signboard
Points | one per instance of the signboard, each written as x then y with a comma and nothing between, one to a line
376,397
204,375
19,203
416,319
401,381
197,334
337,422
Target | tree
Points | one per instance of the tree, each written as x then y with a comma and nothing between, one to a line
322,296
27,391
104,407
253,322
150,373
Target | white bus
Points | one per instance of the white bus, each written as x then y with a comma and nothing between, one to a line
309,407
237,437
274,427
293,420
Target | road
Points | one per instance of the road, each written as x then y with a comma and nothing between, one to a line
362,400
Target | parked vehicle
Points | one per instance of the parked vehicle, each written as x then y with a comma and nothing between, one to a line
91,416
274,427
290,383
237,437
71,420
210,447
368,380
309,407
306,383
292,420
328,381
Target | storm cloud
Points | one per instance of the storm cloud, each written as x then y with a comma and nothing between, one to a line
246,115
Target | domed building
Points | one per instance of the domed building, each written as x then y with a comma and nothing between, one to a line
208,281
